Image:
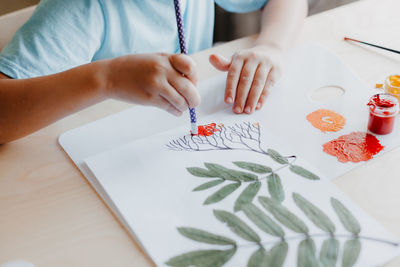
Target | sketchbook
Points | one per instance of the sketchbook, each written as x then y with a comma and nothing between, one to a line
251,189
237,196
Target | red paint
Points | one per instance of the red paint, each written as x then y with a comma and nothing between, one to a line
353,147
380,125
207,130
378,101
383,109
350,39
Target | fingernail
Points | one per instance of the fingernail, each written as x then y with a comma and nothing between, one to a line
229,100
238,110
248,110
258,105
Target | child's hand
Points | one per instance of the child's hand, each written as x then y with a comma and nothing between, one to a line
251,72
162,80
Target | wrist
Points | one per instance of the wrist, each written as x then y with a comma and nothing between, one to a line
268,44
102,78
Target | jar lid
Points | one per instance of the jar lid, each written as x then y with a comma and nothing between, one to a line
383,104
393,80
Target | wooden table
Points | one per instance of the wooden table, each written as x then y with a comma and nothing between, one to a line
51,216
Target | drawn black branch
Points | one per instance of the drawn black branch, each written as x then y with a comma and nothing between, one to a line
240,136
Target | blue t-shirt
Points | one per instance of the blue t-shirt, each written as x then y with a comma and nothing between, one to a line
63,34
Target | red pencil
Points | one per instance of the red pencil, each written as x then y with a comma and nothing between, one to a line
377,46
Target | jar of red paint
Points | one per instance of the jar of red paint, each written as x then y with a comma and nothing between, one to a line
383,109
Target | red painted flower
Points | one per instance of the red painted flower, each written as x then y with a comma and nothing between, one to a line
207,130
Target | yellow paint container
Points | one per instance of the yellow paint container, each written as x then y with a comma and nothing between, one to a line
392,85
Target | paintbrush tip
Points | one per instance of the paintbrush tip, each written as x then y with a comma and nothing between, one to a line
350,39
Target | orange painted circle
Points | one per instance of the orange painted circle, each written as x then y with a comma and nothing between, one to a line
326,120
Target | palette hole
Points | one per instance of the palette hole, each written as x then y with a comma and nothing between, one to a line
327,94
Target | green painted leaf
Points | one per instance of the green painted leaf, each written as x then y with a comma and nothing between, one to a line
221,171
306,254
277,157
200,172
263,221
221,193
242,176
303,172
259,258
253,167
277,254
317,216
229,174
220,261
346,217
208,185
275,187
283,215
237,225
329,252
247,195
202,258
351,252
205,237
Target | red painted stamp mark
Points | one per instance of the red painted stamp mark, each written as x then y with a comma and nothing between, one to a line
353,147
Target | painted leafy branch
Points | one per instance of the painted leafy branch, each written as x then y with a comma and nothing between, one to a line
273,218
240,136
253,175
274,251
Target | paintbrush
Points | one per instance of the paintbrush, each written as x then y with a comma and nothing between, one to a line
377,46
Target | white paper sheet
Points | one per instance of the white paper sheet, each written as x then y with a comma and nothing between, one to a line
151,191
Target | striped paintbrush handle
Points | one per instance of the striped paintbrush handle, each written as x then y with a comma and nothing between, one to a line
182,44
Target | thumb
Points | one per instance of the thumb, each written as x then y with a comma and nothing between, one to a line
220,62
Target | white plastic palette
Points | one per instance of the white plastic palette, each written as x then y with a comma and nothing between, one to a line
291,101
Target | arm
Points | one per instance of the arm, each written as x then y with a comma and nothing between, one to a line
251,72
281,21
28,105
